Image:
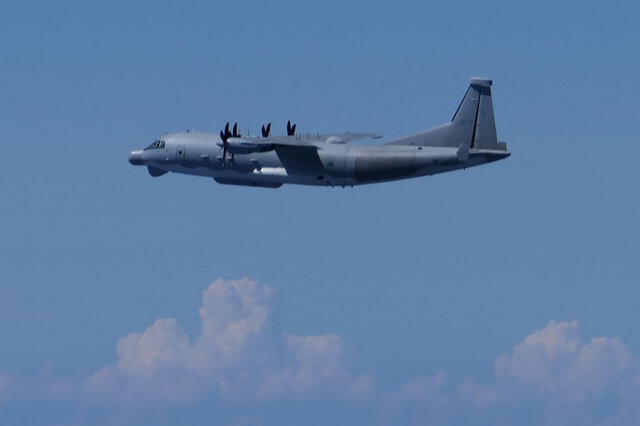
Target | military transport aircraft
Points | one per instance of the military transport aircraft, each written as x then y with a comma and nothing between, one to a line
330,160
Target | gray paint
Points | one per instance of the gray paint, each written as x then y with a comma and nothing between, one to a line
469,140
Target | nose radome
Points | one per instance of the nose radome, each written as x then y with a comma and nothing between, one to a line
135,158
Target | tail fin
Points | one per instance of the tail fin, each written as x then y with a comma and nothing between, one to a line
473,125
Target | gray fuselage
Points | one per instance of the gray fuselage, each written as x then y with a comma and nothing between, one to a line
468,140
331,164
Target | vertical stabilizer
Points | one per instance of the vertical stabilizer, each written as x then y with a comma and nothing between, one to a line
474,123
472,126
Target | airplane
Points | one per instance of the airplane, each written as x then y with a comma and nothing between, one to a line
267,161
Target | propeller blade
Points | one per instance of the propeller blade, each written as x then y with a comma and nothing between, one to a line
291,129
268,129
264,132
235,130
224,135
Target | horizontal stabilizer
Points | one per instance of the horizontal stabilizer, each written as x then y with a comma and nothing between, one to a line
463,153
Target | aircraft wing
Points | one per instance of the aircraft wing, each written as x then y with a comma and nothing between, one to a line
348,136
309,140
297,154
284,141
275,141
300,158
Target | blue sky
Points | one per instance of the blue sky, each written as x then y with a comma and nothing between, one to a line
427,278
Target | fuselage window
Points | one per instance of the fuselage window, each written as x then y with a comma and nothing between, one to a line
156,145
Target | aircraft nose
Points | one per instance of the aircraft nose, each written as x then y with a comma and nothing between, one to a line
135,158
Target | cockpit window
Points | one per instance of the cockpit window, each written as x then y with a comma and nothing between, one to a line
156,145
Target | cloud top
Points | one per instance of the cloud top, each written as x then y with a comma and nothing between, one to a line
556,361
553,376
237,354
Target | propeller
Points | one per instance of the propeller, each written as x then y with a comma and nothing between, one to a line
266,131
225,134
291,130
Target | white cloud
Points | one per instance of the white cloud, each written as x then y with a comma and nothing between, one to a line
423,388
552,373
237,354
315,363
555,361
551,377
